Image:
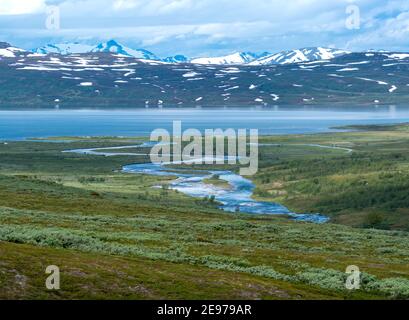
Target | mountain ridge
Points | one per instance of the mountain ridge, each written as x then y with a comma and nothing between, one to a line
8,51
300,55
231,59
101,79
112,46
237,58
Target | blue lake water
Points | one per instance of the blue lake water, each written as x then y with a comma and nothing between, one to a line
141,122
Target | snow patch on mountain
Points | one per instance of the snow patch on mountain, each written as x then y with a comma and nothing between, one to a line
300,55
64,48
191,74
177,59
399,56
348,69
108,47
114,47
232,59
86,84
371,80
8,51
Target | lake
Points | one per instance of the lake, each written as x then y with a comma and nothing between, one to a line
20,124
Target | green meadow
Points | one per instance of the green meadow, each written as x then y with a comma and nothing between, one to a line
115,236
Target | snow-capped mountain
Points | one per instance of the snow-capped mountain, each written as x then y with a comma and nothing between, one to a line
285,57
110,46
300,55
238,58
177,59
64,48
114,47
377,51
8,51
232,59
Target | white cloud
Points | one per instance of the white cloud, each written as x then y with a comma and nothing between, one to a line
152,7
391,34
17,7
124,4
219,25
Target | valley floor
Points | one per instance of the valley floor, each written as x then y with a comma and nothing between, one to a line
114,236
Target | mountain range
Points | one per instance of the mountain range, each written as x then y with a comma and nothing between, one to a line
237,58
111,74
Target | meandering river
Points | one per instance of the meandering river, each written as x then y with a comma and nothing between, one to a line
236,198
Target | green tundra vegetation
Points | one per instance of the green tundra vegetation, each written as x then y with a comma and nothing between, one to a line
363,183
114,235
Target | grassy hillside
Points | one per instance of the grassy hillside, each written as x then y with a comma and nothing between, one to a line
366,186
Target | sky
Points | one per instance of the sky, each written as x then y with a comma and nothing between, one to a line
199,28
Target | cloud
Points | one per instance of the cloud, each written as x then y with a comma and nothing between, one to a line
391,34
211,26
153,7
20,7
